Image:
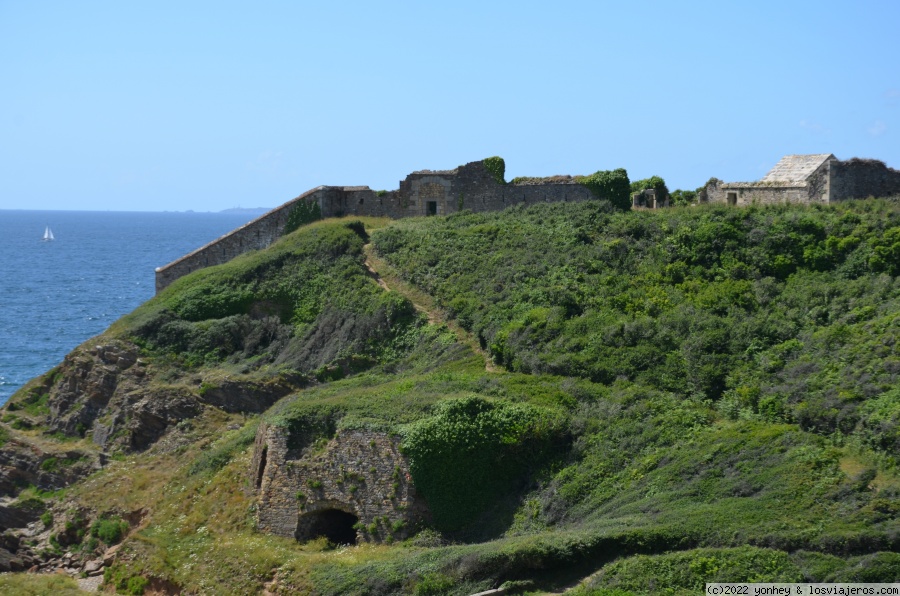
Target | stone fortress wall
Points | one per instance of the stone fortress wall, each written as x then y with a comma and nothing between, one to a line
354,487
795,179
426,192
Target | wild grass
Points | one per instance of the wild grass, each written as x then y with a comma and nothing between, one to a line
23,584
709,393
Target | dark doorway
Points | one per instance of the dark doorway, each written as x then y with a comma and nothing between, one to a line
732,198
262,467
431,208
333,524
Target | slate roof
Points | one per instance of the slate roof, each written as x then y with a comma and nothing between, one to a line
796,168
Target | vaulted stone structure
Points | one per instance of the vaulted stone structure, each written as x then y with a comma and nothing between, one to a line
350,488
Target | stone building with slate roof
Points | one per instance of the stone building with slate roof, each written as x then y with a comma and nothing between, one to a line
818,178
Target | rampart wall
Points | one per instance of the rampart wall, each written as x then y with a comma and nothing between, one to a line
255,235
422,193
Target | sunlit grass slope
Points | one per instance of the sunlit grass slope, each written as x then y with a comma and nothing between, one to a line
689,395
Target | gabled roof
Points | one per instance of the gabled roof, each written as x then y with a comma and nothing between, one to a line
796,168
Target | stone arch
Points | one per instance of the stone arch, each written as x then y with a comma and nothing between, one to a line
333,522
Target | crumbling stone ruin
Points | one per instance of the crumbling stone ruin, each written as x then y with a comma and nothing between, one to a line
795,179
472,186
647,199
353,487
820,178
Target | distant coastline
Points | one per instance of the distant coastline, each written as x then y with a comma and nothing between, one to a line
248,210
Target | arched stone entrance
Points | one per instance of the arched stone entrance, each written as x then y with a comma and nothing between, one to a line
334,524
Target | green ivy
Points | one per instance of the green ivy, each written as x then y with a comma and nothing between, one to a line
473,442
654,182
610,185
497,168
303,212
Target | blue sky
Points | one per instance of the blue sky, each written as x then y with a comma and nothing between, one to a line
153,106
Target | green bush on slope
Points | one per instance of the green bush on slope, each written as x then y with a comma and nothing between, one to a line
703,392
777,313
305,303
473,451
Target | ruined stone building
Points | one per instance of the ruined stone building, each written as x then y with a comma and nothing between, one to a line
795,179
472,187
351,487
819,178
647,199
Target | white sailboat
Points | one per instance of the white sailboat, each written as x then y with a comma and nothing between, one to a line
48,234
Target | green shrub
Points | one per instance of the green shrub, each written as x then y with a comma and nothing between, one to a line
434,583
136,585
110,530
610,185
123,581
691,570
654,182
302,213
682,197
496,167
474,442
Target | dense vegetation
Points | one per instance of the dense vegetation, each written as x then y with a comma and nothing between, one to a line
678,396
306,303
777,314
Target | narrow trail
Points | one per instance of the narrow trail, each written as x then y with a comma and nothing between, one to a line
388,279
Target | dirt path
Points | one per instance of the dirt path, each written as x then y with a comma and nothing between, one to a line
388,279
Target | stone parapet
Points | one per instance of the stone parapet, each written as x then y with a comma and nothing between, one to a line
255,235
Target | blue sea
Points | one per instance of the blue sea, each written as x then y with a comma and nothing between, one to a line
56,295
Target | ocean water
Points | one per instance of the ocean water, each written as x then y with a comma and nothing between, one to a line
56,295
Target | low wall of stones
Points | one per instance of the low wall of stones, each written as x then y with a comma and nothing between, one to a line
357,472
863,178
748,193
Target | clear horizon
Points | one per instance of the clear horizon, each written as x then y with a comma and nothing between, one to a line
203,106
141,210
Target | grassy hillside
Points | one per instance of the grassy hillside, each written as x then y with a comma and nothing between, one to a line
689,395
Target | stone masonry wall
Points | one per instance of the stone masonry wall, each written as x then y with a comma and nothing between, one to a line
862,178
357,472
467,187
834,181
747,193
255,235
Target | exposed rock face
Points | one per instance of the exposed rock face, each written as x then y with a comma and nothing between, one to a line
11,559
23,465
104,389
354,488
18,515
246,396
90,378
